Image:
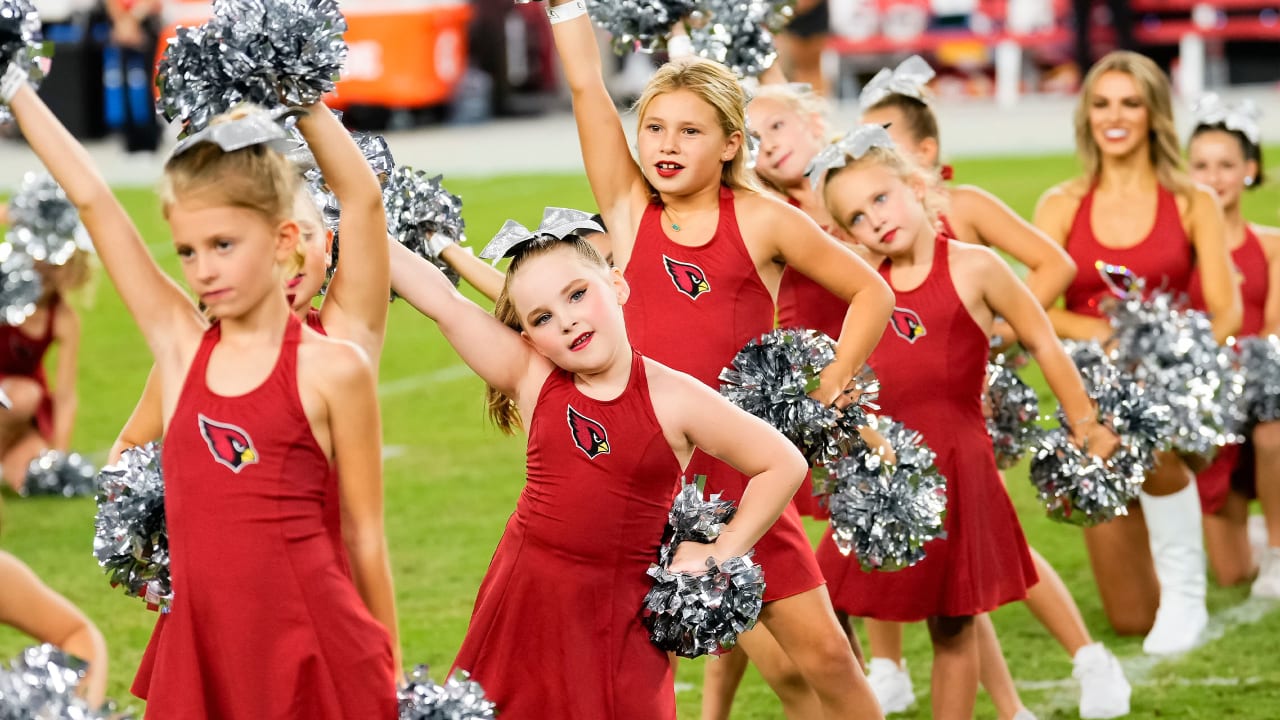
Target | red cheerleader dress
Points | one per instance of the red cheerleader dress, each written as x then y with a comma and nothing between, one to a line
1233,466
693,309
932,364
1163,257
264,624
23,356
556,629
332,494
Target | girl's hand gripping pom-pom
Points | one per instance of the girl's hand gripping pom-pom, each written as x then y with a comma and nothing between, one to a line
43,223
1080,487
268,52
130,538
702,613
41,683
884,511
423,216
772,378
459,698
20,285
1260,362
1014,411
58,473
24,56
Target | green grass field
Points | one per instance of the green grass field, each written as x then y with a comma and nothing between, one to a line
451,482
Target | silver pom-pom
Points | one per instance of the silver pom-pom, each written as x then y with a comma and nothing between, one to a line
130,538
1260,363
771,378
460,698
1015,410
41,683
737,36
267,52
1082,489
1171,351
695,615
638,24
43,223
20,285
58,473
22,44
883,511
420,210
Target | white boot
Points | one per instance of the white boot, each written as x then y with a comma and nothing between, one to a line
1177,545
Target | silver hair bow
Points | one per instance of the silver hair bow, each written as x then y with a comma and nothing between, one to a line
854,145
1243,116
909,78
256,128
556,222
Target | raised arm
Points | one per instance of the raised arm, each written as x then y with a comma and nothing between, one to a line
711,423
1053,216
1050,268
1213,260
616,181
145,424
33,608
801,244
494,351
356,430
157,304
355,306
66,325
479,274
1008,297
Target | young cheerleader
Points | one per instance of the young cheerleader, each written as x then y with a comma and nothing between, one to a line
1135,207
948,294
556,630
790,122
256,408
34,609
39,419
1225,154
703,252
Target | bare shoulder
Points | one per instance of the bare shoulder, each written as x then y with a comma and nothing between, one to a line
1269,237
970,257
330,360
758,206
1064,197
666,383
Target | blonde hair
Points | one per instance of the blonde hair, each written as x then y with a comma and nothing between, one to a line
934,200
1153,86
801,100
715,85
255,178
502,407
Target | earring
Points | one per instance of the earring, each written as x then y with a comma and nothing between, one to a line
1248,181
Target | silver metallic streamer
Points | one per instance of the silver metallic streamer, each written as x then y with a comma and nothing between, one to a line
20,285
695,615
1081,489
130,540
460,698
1172,352
40,684
267,52
884,511
57,473
1260,363
43,223
22,44
736,33
641,25
420,208
771,378
1015,410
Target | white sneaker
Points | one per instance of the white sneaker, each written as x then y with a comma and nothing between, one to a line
891,685
1024,714
1104,690
1256,529
1267,584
